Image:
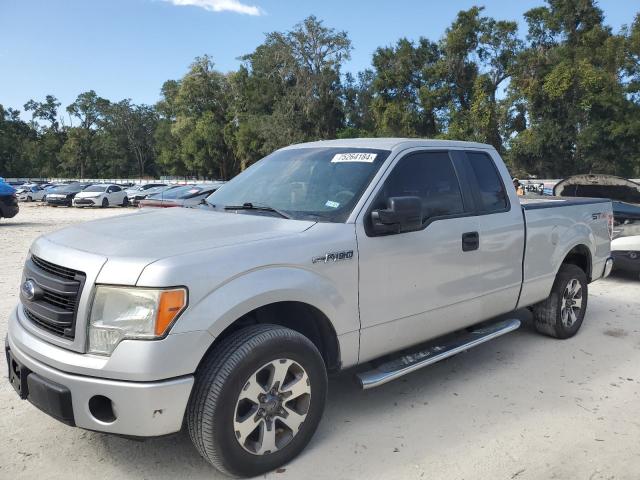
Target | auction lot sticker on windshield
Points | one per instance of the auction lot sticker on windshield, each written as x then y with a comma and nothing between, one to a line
354,157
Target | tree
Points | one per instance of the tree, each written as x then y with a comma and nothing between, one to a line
568,82
88,109
138,124
401,78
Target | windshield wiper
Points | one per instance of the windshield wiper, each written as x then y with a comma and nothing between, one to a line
257,206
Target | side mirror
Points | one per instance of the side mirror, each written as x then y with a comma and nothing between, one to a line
403,214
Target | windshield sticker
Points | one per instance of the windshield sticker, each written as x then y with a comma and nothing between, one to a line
331,204
354,157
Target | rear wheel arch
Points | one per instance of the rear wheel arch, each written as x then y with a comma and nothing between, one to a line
580,256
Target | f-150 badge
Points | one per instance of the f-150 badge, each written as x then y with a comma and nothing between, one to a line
334,257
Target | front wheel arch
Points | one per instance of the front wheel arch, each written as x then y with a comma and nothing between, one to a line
300,317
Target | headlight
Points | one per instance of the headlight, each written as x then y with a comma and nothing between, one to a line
120,313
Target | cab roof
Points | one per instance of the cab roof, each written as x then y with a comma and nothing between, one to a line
389,144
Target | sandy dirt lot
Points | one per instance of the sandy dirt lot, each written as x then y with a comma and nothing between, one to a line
521,407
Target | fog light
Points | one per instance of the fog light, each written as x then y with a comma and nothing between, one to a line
102,409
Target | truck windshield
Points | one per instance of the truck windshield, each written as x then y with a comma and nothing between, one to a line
322,184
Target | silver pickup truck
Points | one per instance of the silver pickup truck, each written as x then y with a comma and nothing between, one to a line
390,254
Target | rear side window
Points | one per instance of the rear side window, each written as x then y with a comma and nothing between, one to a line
430,176
493,196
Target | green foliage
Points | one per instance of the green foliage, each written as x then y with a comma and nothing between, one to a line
565,100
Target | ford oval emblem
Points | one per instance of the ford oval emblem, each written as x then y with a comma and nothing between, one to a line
29,290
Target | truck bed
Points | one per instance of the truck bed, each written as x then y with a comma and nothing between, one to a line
534,203
555,226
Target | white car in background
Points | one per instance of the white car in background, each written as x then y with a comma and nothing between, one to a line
30,193
101,195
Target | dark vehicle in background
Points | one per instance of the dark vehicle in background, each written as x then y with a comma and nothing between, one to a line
63,196
183,196
625,196
8,200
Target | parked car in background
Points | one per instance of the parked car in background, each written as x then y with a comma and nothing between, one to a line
183,196
141,195
101,195
50,188
8,200
625,246
63,196
138,189
30,193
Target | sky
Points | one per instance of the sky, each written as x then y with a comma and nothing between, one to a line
128,48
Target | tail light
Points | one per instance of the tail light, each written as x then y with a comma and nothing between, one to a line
610,224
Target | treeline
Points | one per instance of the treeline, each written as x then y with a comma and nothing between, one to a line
563,100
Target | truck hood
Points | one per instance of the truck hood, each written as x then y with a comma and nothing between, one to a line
150,235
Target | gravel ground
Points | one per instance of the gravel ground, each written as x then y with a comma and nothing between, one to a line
521,407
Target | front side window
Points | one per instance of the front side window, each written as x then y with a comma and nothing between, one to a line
429,176
322,184
493,197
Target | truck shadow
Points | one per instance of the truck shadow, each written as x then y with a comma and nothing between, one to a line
11,223
347,405
487,392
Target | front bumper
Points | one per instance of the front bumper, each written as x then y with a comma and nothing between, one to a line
140,408
84,202
9,211
59,201
628,260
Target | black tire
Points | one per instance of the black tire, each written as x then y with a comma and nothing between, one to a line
548,314
221,377
105,203
125,202
29,199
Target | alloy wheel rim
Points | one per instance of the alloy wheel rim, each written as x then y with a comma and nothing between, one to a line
571,303
272,407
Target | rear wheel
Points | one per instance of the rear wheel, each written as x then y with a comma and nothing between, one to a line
561,314
257,400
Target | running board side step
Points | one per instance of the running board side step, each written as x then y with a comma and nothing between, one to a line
444,347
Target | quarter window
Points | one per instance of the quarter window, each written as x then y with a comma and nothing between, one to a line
430,176
493,197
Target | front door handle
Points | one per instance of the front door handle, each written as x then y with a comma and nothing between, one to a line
470,241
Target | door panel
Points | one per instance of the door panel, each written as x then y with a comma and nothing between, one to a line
501,231
417,285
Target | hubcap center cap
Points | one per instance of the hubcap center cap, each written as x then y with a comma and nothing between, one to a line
271,404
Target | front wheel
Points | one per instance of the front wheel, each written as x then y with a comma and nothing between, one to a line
125,202
105,203
257,401
561,314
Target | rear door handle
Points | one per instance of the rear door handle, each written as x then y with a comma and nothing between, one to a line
470,241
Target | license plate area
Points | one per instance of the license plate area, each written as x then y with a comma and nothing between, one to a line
17,375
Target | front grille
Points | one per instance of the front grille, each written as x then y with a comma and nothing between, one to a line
63,272
53,305
58,330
